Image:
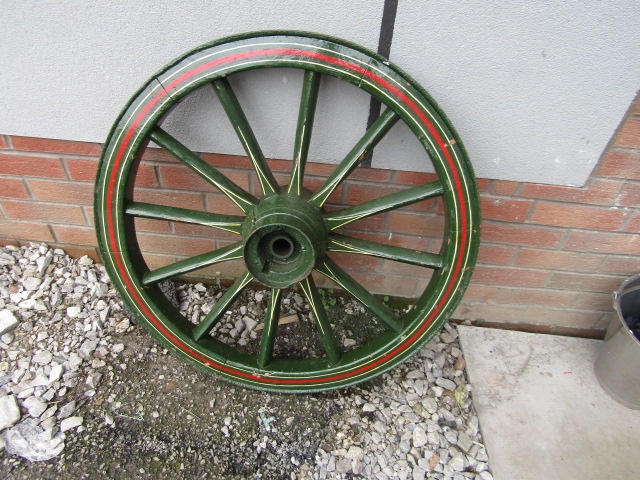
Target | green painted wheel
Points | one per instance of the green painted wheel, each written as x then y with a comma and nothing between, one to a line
285,233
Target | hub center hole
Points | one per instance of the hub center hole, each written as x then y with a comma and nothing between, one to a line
281,246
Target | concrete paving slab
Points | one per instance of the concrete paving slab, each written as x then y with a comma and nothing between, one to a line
542,411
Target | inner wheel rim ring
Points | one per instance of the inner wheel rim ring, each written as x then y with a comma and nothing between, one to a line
110,204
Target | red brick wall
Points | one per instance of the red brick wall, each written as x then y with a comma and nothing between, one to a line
550,255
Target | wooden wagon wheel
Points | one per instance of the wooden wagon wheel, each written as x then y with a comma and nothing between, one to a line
286,233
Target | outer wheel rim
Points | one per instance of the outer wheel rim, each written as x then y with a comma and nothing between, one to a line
321,55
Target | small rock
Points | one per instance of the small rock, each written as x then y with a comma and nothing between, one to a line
348,342
67,410
93,379
40,381
73,312
343,465
419,437
56,373
123,325
7,321
43,357
457,462
249,323
9,411
28,440
464,442
355,453
446,383
70,422
35,406
87,347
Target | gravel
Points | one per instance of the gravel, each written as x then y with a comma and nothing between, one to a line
85,392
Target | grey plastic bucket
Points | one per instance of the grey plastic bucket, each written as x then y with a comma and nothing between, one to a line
617,365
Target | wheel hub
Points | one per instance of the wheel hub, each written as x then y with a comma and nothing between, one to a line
284,237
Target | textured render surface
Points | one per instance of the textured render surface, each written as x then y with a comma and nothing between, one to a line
68,75
535,90
542,411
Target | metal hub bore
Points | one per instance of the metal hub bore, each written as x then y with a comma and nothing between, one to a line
284,237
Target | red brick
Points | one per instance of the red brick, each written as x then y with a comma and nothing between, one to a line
355,262
482,293
621,164
75,235
146,176
528,235
362,192
83,169
583,282
183,178
173,244
535,296
594,301
3,142
406,241
630,195
239,162
279,166
621,265
13,188
312,168
359,193
635,110
370,174
26,165
482,183
599,192
496,254
55,146
503,187
414,178
629,135
508,276
497,208
601,242
89,214
398,268
564,317
194,201
151,225
423,225
157,261
25,231
222,204
62,192
633,225
558,260
388,284
576,216
151,154
314,184
43,212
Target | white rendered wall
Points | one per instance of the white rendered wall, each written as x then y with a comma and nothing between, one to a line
535,89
